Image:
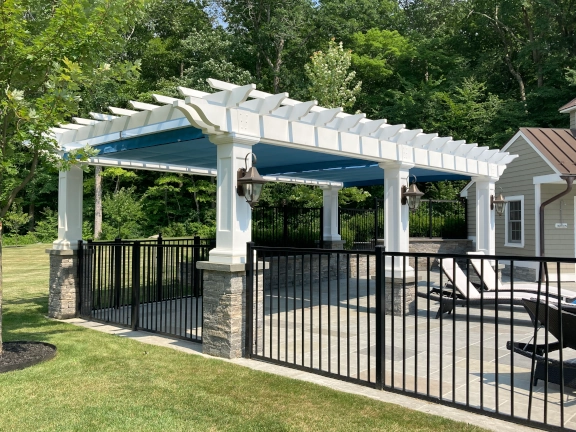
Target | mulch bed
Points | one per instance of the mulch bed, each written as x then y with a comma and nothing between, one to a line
19,355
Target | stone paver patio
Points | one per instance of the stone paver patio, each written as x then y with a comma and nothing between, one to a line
460,360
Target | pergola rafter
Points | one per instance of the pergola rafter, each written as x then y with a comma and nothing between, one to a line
276,119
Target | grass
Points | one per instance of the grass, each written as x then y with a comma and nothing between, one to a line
105,382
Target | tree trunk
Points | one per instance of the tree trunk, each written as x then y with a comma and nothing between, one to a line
0,287
32,214
98,202
516,75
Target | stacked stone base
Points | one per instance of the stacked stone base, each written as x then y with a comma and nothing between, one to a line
63,284
224,303
399,298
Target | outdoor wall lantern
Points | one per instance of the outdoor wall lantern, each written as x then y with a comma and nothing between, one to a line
250,182
411,195
498,203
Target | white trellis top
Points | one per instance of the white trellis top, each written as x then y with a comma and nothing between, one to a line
276,119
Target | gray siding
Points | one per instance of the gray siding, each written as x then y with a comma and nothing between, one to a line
518,180
559,242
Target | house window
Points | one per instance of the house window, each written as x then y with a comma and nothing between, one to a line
514,221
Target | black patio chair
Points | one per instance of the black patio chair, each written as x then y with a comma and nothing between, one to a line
561,323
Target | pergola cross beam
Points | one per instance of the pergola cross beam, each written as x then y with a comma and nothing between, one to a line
278,120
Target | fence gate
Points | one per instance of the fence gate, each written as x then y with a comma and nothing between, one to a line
145,285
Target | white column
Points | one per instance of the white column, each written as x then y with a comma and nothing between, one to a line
70,196
330,213
396,215
233,214
485,216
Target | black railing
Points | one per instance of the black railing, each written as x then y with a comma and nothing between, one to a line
396,321
287,226
152,285
440,218
179,241
361,228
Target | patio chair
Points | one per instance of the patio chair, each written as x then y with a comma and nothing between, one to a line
493,283
463,292
548,315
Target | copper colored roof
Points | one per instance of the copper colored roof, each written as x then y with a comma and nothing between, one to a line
557,145
571,104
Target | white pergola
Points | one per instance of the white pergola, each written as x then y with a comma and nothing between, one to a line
236,118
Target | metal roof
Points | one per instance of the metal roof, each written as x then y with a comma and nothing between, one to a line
556,145
570,106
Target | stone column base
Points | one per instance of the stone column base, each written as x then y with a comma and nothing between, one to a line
394,292
333,244
63,284
224,303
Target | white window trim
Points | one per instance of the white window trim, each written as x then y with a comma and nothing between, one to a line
521,199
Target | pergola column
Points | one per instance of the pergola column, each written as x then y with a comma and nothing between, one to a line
224,275
233,214
330,234
485,216
399,277
70,196
63,279
397,216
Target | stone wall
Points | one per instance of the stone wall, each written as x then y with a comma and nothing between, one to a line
63,284
525,273
312,267
437,246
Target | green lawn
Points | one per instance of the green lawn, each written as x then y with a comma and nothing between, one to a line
105,382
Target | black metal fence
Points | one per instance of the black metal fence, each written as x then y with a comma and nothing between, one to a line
287,226
360,228
367,317
440,218
150,285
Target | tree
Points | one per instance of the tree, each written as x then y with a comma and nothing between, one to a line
48,54
340,19
331,82
270,34
124,212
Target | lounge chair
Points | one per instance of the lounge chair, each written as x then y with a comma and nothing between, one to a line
537,353
465,293
493,283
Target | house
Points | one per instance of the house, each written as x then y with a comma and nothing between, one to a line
545,155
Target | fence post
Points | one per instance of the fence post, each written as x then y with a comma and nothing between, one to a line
80,277
159,268
249,331
195,271
430,218
322,226
285,226
375,221
380,354
117,271
135,285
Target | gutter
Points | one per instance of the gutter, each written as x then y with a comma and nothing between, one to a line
569,183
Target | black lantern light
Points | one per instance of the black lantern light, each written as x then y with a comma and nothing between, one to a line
250,182
411,195
498,203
